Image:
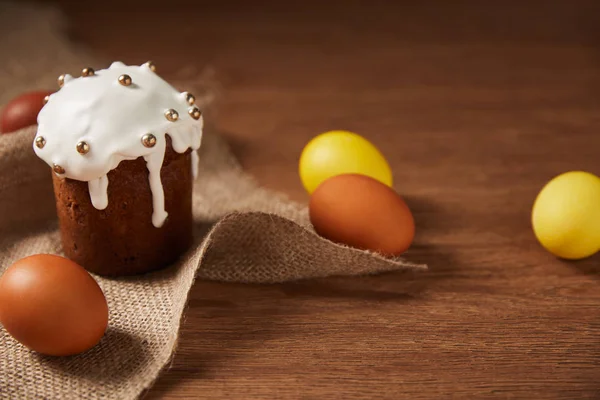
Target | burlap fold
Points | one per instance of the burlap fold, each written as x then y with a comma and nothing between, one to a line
243,234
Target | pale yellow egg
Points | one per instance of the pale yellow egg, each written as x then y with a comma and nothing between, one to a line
341,152
566,215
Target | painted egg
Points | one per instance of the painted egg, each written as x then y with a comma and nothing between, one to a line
341,152
52,305
566,215
359,211
22,111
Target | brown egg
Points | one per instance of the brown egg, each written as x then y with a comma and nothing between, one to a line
361,212
52,305
22,111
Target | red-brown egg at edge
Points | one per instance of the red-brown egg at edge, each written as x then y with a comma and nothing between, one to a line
22,111
361,212
52,305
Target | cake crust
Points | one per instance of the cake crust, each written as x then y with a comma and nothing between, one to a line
121,239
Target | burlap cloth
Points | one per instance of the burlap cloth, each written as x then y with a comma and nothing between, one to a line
244,234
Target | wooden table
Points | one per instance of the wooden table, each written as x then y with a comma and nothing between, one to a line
476,105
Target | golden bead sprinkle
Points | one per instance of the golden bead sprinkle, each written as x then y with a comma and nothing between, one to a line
88,71
83,148
58,169
40,142
61,80
46,99
190,98
194,112
125,80
151,65
149,140
171,115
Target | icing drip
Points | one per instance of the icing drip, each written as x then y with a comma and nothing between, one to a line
195,162
111,119
99,192
182,139
153,163
197,141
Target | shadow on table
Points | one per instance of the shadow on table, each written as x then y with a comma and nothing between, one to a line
400,286
431,219
586,266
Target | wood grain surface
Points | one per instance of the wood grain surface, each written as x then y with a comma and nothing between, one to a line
476,105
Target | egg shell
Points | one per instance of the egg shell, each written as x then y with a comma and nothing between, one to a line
52,305
22,111
566,215
341,152
361,212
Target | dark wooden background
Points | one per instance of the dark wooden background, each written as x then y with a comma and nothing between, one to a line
476,104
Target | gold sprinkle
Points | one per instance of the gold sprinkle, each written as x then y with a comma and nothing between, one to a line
190,98
40,142
149,140
46,99
194,112
87,71
61,80
125,80
83,148
151,65
58,169
171,115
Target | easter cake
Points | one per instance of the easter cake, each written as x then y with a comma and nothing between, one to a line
122,145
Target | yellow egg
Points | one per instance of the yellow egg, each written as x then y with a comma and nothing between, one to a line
566,215
340,152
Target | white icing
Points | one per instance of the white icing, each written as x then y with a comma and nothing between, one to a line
112,119
99,192
154,162
195,162
67,78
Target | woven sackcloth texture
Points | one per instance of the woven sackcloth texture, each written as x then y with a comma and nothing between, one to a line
244,234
